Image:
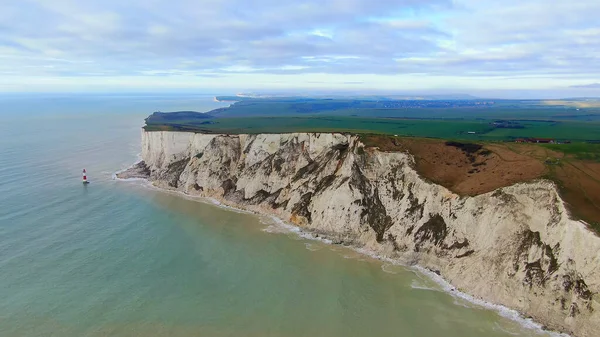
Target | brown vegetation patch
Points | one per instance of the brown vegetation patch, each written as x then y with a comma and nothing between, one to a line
464,168
475,169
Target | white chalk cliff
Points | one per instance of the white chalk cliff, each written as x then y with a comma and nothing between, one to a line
516,246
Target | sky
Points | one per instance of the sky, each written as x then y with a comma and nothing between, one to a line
542,47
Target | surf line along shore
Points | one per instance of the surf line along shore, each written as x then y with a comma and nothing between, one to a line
132,174
516,246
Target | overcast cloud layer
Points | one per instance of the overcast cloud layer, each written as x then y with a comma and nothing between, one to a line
387,44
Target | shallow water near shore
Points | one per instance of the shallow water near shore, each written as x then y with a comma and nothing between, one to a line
117,258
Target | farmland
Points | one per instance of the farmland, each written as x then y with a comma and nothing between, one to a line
433,128
449,119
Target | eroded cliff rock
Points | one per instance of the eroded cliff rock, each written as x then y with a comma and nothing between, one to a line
515,246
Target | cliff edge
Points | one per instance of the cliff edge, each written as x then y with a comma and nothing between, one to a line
515,246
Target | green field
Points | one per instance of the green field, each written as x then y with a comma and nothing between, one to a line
450,129
463,119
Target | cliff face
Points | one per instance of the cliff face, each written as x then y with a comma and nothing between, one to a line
515,246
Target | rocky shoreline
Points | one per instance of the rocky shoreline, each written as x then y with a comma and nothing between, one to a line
138,170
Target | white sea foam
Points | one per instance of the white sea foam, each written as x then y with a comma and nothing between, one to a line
309,236
272,226
274,229
211,201
142,180
463,303
114,174
279,226
419,286
283,226
217,203
448,288
388,268
502,310
312,247
497,327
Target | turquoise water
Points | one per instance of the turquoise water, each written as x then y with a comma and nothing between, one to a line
118,258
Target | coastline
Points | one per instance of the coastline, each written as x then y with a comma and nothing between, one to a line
445,286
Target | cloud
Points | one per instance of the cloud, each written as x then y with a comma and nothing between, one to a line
587,86
66,39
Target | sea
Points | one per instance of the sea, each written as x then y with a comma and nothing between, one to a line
121,258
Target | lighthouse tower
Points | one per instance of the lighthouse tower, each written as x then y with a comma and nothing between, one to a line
85,181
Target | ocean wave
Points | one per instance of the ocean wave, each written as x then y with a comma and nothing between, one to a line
386,269
500,309
274,229
216,202
497,327
312,247
463,303
143,180
416,285
444,285
116,173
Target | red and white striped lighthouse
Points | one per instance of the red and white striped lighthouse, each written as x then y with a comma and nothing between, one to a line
85,181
